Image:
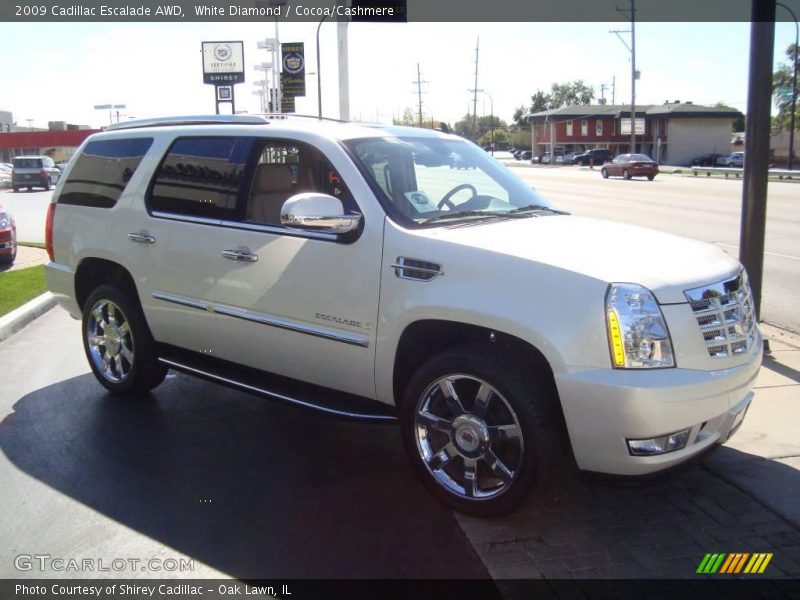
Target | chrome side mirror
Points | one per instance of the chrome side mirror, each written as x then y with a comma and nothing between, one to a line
318,212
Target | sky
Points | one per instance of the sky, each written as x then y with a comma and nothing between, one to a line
59,71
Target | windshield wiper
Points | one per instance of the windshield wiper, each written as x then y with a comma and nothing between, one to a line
472,213
535,207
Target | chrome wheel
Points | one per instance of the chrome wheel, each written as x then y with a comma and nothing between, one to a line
468,437
109,340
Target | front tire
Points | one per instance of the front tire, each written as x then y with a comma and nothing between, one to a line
118,344
651,177
626,174
480,430
48,184
604,173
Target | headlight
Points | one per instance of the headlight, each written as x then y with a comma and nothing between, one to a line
637,333
4,222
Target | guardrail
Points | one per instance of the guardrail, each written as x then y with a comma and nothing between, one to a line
737,171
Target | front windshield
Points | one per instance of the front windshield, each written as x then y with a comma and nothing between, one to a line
434,179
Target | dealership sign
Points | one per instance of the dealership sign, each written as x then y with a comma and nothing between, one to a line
293,76
223,62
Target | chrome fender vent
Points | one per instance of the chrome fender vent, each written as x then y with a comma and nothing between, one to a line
415,269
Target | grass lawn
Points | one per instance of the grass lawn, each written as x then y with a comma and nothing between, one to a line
17,287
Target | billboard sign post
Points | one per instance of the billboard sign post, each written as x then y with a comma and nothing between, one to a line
223,67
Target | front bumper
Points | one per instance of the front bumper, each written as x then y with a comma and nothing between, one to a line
605,407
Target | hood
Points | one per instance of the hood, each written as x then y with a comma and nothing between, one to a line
612,252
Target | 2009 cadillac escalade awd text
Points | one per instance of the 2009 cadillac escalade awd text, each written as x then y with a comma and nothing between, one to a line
349,268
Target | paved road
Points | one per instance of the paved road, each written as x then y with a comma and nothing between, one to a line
697,207
245,487
29,210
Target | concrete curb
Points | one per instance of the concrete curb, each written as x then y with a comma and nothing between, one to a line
773,332
20,317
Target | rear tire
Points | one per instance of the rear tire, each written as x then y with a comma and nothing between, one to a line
118,344
16,189
48,184
480,429
651,177
626,174
604,173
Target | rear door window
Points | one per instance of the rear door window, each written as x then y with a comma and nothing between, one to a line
201,177
102,171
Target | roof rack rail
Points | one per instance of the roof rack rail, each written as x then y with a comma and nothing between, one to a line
274,115
190,120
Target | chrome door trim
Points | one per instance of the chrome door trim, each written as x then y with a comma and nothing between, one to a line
185,218
252,388
263,228
353,339
183,301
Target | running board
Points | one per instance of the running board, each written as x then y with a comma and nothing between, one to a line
283,389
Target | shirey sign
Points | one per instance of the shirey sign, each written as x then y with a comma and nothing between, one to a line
223,62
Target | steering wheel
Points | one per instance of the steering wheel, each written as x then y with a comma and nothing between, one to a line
445,201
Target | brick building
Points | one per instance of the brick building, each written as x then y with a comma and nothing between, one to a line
672,133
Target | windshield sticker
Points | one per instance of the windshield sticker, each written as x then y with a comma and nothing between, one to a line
421,202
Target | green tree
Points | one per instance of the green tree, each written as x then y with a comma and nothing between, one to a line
408,118
464,126
738,122
782,81
570,93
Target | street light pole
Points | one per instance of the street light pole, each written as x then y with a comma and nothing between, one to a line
794,82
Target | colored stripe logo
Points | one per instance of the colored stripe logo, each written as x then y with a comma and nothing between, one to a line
734,563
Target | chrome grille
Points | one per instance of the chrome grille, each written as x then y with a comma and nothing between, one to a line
725,316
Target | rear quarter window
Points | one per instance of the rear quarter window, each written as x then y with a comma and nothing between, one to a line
102,171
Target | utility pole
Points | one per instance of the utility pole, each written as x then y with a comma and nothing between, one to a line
631,12
613,89
475,94
603,88
419,83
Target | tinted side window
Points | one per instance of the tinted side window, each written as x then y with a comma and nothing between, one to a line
102,171
201,176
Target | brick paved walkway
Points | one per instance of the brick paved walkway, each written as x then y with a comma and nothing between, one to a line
582,529
27,257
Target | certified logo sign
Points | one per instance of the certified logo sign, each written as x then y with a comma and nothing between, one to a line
293,63
222,52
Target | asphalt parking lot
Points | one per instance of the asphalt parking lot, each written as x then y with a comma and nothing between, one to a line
248,488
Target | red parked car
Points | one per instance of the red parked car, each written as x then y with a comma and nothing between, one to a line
8,237
630,165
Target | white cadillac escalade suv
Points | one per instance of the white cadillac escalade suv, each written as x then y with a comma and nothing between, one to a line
390,273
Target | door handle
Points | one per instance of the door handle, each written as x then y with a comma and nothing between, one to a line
142,238
242,255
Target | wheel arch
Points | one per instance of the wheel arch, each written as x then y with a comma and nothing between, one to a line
425,338
92,272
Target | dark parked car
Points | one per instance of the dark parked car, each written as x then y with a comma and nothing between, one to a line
8,237
597,156
630,165
707,160
525,155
